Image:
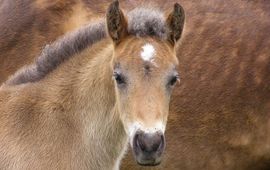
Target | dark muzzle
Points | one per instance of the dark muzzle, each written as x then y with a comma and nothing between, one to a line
148,147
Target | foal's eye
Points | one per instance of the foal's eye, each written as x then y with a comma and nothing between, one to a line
173,80
119,78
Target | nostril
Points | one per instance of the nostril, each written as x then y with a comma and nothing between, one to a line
161,144
142,145
136,141
141,142
158,144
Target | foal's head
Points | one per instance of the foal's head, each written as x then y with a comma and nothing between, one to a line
144,68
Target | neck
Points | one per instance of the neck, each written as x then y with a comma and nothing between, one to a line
87,94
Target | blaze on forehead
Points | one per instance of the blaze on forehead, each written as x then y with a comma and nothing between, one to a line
146,22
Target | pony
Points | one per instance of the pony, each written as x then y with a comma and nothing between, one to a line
219,113
87,96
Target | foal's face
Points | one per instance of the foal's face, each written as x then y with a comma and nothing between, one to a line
144,70
145,74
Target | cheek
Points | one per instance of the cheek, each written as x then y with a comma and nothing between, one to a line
125,111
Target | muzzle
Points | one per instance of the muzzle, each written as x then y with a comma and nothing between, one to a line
148,147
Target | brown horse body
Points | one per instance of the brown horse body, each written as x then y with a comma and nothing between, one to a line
219,115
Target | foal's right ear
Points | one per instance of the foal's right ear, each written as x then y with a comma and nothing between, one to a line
116,22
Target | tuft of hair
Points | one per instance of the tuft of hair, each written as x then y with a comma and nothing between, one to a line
147,22
58,52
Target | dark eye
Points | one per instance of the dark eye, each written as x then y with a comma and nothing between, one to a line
119,78
173,80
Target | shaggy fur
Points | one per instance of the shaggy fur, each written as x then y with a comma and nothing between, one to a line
142,22
58,52
219,114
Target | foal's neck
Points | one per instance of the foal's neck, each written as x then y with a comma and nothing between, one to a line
86,87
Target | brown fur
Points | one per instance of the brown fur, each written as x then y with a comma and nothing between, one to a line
70,118
54,123
219,114
66,112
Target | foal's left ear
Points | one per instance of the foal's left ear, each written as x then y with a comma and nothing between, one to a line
175,23
116,22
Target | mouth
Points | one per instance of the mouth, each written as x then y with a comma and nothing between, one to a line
155,163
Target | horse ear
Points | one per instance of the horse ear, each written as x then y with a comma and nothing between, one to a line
116,22
175,23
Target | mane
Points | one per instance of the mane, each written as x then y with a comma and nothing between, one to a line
141,22
58,52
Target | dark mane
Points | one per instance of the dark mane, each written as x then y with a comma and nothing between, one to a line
147,22
142,22
58,52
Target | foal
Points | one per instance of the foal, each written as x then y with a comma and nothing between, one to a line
66,112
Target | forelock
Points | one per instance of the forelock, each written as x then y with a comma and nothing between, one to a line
146,22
